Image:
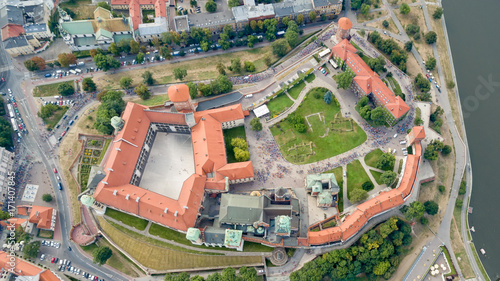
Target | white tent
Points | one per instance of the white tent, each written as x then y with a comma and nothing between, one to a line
261,111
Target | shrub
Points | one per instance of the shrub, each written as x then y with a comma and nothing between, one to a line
367,185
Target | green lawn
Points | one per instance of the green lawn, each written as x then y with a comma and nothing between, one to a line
340,181
376,175
104,149
310,78
371,158
238,132
356,176
295,91
45,233
153,100
127,219
277,105
52,121
117,259
49,90
343,134
395,86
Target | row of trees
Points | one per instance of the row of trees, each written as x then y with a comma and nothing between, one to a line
240,149
396,54
5,133
228,273
111,105
375,116
377,254
434,147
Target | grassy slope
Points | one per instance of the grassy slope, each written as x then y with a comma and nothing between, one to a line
127,219
356,176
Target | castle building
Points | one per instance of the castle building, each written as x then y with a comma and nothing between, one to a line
344,29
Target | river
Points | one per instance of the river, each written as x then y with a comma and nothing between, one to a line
473,29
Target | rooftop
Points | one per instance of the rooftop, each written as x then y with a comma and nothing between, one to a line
246,13
25,268
210,19
12,30
33,28
345,23
16,42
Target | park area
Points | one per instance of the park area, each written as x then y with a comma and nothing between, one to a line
328,133
356,176
49,90
279,104
51,121
92,155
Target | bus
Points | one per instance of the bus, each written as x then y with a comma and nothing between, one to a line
11,110
14,124
324,53
333,64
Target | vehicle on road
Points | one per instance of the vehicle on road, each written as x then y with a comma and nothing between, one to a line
55,171
53,260
59,185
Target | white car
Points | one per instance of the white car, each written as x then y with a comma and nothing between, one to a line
42,257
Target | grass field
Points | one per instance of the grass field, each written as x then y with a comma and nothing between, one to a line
356,176
83,9
376,175
161,258
310,78
343,134
295,91
372,158
277,105
152,101
238,132
45,233
197,69
49,90
127,219
52,121
117,260
340,181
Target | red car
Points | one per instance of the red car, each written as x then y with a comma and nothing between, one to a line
20,127
319,68
15,104
3,80
52,260
61,102
55,171
427,74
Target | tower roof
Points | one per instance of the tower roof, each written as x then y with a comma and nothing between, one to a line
345,23
178,93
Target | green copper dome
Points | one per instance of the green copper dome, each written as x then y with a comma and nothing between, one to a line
87,200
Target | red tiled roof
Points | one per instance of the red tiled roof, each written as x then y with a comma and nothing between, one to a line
178,93
352,224
416,134
24,268
341,49
135,8
160,8
42,216
345,23
16,221
12,30
209,152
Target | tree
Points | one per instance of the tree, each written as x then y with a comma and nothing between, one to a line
300,19
106,62
47,197
48,110
101,255
256,124
104,5
134,47
239,143
31,250
424,220
367,185
267,60
450,84
253,25
111,105
344,80
65,59
386,162
65,89
437,13
431,207
285,20
193,89
235,65
241,155
409,45
125,82
249,66
114,49
415,211
211,6
365,9
381,267
148,78
430,63
388,177
312,15
233,3
40,62
30,65
404,9
179,73
430,37
327,97
88,85
385,24
4,215
358,195
446,150
422,83
139,58
142,91
292,34
377,116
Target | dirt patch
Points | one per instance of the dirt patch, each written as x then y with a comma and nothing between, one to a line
371,16
391,28
69,150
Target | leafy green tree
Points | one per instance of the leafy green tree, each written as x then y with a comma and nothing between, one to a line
409,45
184,276
446,150
65,89
240,143
235,65
365,9
377,116
424,220
404,9
126,82
4,215
104,5
47,197
256,124
222,84
430,37
267,60
105,62
193,89
292,34
430,63
381,267
139,58
300,19
30,65
367,185
134,47
241,155
253,25
65,59
344,80
366,112
422,83
142,91
148,78
412,29
363,101
114,49
249,66
358,195
233,3
211,6
285,21
101,255
431,207
312,15
111,105
388,177
415,211
88,85
385,24
280,47
180,73
386,162
31,249
327,97
438,13
450,84
124,46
